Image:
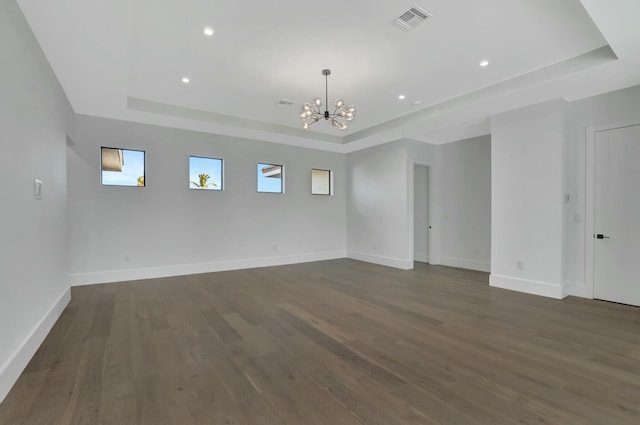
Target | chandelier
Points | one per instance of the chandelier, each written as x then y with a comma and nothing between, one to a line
311,112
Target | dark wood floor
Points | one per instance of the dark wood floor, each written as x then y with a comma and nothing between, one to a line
336,342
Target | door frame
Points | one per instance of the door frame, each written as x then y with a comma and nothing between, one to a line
433,257
590,202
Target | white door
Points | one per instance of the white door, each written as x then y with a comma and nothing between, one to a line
421,213
617,215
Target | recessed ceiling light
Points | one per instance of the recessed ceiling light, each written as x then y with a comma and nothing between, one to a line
208,31
484,63
186,80
401,97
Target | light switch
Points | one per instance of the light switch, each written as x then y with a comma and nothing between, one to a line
37,188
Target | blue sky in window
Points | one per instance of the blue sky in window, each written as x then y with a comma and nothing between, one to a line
268,184
210,166
133,168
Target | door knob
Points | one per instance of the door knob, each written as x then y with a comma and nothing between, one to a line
601,236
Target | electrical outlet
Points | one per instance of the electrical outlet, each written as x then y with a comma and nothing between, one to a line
374,247
520,265
275,247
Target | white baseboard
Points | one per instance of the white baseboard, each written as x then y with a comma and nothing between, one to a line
397,263
421,256
464,263
92,278
578,289
544,289
11,370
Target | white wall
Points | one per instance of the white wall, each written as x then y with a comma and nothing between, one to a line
34,113
124,233
527,211
610,108
378,228
464,204
380,204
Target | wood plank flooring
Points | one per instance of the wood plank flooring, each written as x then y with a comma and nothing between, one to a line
334,342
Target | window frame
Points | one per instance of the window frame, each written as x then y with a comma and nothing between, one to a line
330,185
144,167
221,174
282,174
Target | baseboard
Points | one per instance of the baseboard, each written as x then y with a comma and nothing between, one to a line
463,263
93,278
544,289
578,289
11,370
378,259
421,256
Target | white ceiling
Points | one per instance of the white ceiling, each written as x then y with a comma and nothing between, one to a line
124,59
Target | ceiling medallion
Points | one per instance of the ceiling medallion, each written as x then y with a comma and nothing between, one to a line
311,111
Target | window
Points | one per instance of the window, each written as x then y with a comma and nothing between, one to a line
320,182
205,173
122,167
270,178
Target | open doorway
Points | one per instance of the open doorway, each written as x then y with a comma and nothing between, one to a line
421,225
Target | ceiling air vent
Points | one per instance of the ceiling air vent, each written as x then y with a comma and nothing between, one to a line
412,18
286,102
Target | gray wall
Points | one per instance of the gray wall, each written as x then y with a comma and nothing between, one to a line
123,233
34,113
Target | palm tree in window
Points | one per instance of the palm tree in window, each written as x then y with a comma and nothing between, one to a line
204,182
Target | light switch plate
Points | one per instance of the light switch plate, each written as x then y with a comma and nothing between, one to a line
37,188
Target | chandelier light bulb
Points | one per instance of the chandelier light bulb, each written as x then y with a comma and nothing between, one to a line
317,101
339,102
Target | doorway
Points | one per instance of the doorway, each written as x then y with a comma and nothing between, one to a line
616,211
421,225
